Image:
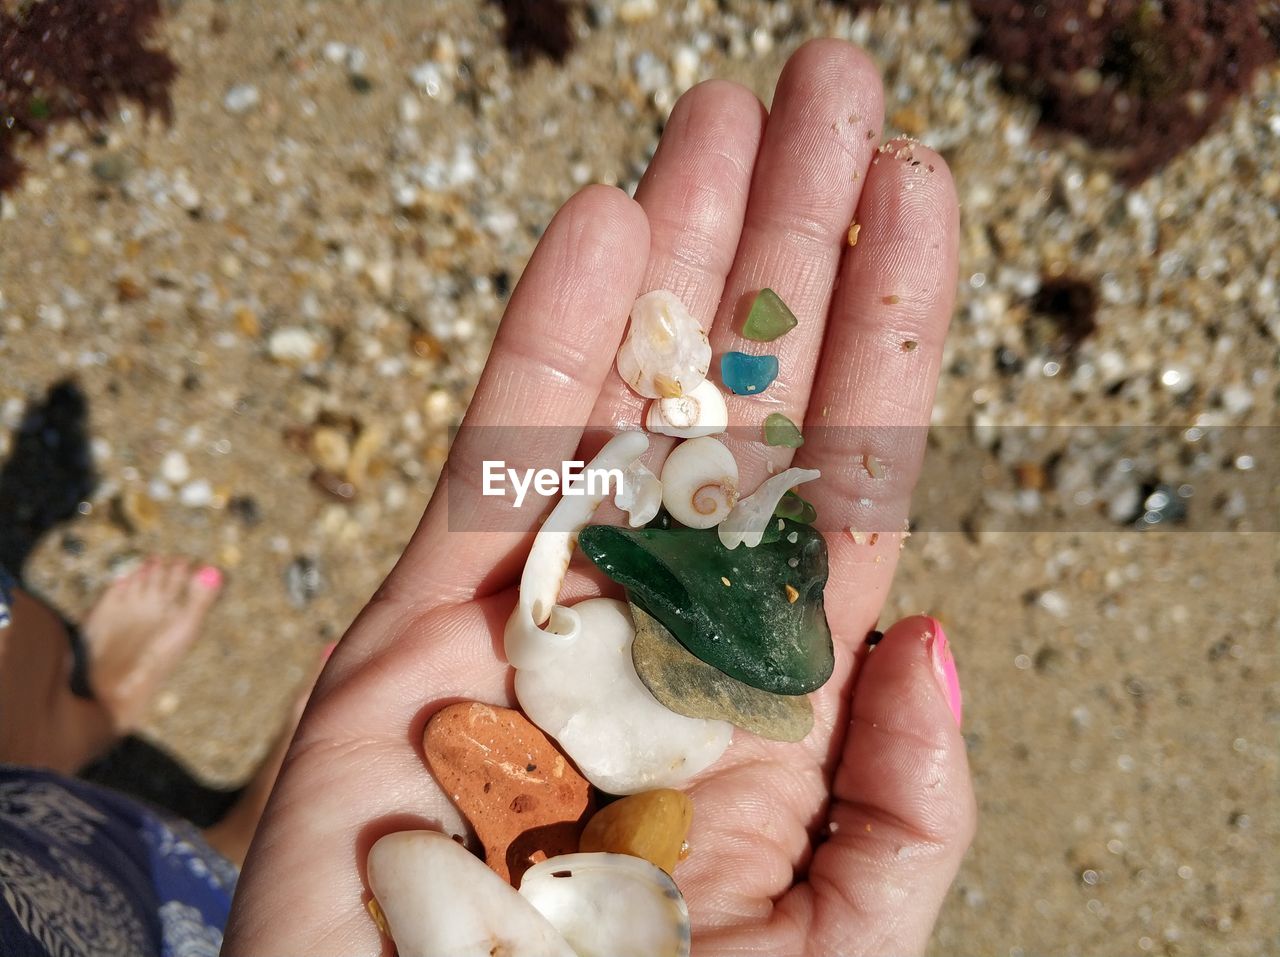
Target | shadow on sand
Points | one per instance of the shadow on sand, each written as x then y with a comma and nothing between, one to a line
42,485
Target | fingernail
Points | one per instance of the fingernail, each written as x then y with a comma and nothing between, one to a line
209,577
327,651
944,668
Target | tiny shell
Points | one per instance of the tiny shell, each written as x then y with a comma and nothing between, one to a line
666,352
747,522
700,411
610,905
640,495
700,482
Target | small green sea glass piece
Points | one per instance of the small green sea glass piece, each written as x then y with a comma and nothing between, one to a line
779,430
769,318
750,612
792,507
687,685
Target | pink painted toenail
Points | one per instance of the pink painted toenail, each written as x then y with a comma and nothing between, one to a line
209,577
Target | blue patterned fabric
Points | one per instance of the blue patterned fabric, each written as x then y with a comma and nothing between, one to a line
7,584
85,872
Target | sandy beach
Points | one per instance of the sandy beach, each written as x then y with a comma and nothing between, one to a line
272,311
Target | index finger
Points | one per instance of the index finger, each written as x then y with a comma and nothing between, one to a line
553,350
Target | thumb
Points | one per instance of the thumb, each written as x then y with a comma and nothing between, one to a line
902,812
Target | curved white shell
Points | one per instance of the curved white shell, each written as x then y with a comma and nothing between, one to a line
640,495
610,905
750,517
589,698
700,482
526,642
700,411
666,352
439,899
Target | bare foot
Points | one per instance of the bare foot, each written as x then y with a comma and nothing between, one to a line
232,835
139,629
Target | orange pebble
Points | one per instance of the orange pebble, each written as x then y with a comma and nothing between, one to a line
524,799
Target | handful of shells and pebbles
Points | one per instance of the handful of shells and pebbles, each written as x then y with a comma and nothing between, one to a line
723,627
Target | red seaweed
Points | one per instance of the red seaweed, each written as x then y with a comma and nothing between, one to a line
75,60
536,27
1143,78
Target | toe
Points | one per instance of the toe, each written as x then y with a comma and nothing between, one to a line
177,572
123,591
150,576
205,584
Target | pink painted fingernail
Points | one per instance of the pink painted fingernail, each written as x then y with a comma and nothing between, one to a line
209,577
944,668
327,651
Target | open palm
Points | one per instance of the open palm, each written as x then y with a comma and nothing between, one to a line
844,843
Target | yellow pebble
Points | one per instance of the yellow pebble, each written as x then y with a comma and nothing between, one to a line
651,825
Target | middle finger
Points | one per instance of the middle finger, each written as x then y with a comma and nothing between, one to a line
823,128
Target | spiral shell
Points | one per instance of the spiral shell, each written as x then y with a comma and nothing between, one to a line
700,411
700,482
666,352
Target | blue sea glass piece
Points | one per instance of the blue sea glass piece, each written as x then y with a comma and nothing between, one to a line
743,374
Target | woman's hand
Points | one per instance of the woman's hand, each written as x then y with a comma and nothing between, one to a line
844,843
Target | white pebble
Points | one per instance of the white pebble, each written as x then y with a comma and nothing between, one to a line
1176,379
1236,399
1054,603
685,66
241,98
197,494
410,111
174,468
293,345
427,78
634,11
185,195
11,412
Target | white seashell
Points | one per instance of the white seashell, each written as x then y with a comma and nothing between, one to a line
439,899
700,482
610,905
700,411
526,642
666,352
640,495
589,698
750,517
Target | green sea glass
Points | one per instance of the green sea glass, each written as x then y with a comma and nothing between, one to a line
779,430
750,612
791,506
769,318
